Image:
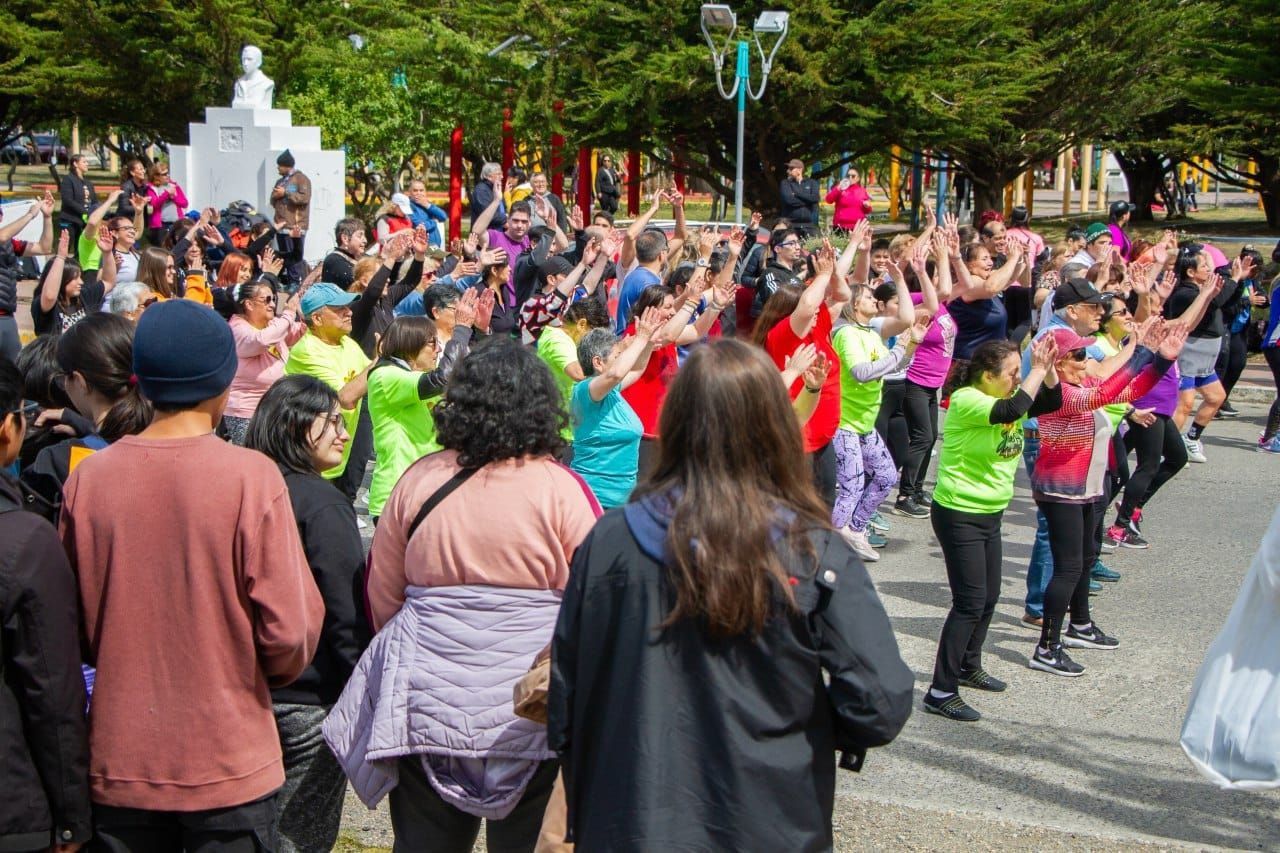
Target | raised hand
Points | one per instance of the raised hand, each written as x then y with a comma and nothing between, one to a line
754,223
139,202
590,252
708,237
930,217
270,262
724,294
861,235
46,204
456,248
64,242
211,235
575,218
656,200
467,307
920,326
801,359
484,309
106,240
816,375
293,305
648,323
824,262
1172,344
612,245
465,268
421,243
737,238
1044,353
492,257
676,198
1152,326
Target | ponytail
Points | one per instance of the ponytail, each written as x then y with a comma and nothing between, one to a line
100,348
129,415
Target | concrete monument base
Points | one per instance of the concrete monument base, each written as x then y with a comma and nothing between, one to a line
232,156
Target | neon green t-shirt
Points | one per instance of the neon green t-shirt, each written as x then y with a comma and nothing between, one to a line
403,429
859,401
88,253
557,350
1114,411
979,459
335,365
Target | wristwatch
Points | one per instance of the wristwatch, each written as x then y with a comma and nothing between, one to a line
703,263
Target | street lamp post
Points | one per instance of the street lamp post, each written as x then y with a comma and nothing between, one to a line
717,16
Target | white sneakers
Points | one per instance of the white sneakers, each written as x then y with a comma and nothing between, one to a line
860,544
1195,450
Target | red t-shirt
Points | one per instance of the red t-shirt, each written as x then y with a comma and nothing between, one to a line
647,393
780,343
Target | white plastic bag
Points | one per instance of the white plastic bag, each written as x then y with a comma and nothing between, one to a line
1232,729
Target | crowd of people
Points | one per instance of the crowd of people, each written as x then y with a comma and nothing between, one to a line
188,435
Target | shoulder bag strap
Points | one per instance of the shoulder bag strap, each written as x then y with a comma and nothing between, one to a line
440,494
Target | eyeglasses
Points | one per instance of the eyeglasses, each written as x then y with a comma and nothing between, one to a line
790,244
334,421
265,299
1079,354
27,411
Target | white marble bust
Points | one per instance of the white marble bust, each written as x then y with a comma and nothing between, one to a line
254,90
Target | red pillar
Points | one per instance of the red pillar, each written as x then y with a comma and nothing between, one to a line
455,183
557,154
508,142
633,183
586,183
678,158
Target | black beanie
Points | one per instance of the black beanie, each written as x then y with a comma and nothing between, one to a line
285,159
183,353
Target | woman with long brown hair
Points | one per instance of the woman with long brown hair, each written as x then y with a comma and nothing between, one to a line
696,628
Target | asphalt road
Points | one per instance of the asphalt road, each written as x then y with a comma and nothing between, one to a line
1065,764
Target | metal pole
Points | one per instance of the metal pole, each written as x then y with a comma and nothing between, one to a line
917,190
942,186
743,82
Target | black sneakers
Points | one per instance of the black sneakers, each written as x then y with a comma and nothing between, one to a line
980,679
953,708
1056,662
1090,638
1226,410
910,508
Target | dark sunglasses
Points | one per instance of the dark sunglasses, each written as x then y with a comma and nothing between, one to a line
1079,354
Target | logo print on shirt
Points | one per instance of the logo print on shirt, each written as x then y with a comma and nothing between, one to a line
1010,444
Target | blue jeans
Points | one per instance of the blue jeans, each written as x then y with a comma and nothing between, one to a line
1040,570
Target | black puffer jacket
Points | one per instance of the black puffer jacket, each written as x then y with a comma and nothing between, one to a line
44,746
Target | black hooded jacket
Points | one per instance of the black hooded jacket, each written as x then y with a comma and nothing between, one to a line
670,740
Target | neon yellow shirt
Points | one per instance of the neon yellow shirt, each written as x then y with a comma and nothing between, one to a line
403,429
859,401
335,365
557,350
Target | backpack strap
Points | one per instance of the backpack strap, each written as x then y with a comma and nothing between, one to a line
437,496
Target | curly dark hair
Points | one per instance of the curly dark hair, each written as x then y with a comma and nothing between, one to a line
502,403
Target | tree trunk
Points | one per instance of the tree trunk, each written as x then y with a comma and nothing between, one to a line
1269,178
1144,172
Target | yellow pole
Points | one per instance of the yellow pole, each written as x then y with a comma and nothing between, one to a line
1253,170
1204,175
1029,190
895,183
75,137
1008,198
1064,179
1086,175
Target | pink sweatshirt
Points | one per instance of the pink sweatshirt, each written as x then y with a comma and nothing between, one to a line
262,354
851,205
197,598
158,197
514,524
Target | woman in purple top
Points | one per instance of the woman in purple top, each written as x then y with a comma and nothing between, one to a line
925,376
1160,450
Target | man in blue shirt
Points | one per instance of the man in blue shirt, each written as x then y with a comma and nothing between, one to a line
425,213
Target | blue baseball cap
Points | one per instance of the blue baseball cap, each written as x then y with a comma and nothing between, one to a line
322,294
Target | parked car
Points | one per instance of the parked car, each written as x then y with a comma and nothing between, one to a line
50,150
21,151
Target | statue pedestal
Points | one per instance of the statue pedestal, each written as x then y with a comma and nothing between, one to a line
232,156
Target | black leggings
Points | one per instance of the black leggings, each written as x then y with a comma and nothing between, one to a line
1232,358
891,423
971,548
1161,453
1272,355
824,472
1074,547
920,405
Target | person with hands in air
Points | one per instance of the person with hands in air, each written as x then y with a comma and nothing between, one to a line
649,249
795,316
63,298
975,484
263,339
807,363
11,250
559,279
606,430
404,384
1068,478
865,470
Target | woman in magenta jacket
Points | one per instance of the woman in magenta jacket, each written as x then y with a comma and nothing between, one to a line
852,202
166,202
